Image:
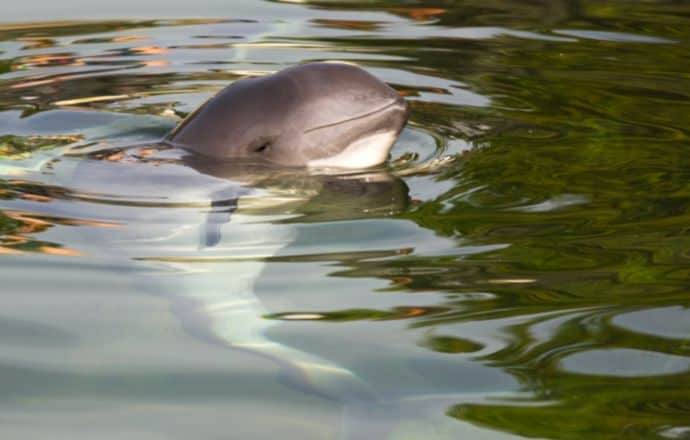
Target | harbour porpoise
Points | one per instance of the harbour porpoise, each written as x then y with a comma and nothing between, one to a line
251,134
315,115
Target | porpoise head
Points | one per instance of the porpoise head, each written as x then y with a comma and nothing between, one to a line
315,115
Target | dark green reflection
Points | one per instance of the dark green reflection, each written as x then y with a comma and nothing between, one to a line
582,180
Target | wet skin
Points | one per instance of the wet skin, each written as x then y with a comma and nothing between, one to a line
317,114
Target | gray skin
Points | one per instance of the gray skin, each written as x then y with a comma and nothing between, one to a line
297,117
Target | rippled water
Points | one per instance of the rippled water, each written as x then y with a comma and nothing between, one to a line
520,269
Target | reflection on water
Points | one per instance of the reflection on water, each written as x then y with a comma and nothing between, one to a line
519,270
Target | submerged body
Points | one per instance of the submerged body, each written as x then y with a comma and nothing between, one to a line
212,250
220,225
315,115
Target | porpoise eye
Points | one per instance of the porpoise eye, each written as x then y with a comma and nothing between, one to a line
261,146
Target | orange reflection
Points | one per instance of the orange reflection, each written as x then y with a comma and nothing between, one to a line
35,83
116,157
138,155
50,60
412,312
401,281
90,99
150,50
15,239
156,63
421,14
128,38
36,198
144,152
37,223
59,251
36,42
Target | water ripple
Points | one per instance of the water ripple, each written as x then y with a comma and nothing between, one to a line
521,265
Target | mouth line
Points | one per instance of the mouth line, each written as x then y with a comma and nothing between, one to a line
384,107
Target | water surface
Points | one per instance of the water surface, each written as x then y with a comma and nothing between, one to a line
519,270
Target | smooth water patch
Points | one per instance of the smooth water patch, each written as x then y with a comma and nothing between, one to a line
625,363
666,322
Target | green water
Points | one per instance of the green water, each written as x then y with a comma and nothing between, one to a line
520,270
